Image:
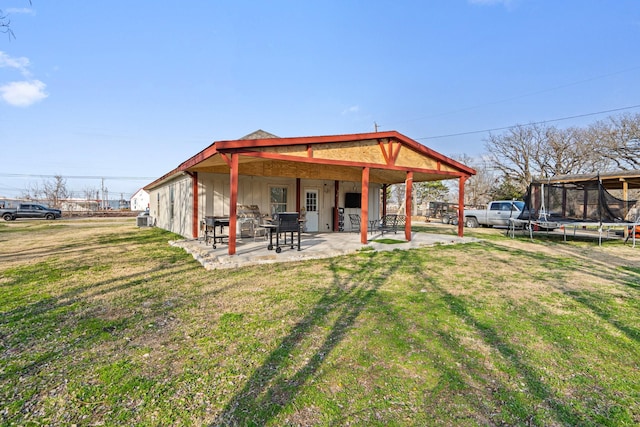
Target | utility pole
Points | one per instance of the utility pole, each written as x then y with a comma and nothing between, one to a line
375,126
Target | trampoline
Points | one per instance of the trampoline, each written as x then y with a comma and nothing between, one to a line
579,204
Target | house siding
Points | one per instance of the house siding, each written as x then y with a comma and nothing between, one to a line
213,194
172,205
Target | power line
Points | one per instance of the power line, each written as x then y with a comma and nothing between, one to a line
532,123
122,178
524,95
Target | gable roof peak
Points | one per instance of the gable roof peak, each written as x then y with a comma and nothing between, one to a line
260,134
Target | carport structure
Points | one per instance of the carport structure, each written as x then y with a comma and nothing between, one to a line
384,158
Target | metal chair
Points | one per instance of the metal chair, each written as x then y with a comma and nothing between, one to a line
259,230
355,222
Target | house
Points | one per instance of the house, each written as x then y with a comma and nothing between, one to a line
311,174
139,201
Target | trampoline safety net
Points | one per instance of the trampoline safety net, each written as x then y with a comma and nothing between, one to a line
574,202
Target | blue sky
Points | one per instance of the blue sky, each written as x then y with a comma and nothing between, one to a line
124,89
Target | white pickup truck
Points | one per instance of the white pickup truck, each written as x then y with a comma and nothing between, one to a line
497,213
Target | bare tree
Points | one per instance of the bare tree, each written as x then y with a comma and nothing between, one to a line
477,189
618,141
32,192
518,153
5,24
538,151
53,191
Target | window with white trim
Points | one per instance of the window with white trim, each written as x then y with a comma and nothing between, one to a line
278,199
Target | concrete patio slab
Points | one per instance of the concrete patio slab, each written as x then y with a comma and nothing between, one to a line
313,246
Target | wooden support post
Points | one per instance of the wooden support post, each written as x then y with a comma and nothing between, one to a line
625,197
364,207
298,195
195,218
336,205
408,192
384,199
233,203
463,179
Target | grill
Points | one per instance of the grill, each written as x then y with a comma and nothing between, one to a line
212,222
248,219
284,222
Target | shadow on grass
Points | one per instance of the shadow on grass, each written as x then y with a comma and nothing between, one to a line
270,389
530,375
34,321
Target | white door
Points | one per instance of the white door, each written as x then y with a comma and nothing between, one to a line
311,206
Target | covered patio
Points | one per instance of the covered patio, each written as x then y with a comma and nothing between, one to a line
379,158
313,246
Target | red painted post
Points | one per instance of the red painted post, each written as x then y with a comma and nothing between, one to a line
195,217
463,179
407,203
233,202
364,207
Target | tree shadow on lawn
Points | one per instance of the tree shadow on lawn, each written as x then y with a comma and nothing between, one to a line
600,266
270,389
30,321
607,271
514,403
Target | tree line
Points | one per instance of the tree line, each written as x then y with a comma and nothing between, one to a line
527,152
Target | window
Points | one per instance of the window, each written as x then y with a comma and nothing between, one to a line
278,199
312,201
171,201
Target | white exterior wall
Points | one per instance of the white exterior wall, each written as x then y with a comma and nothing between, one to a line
253,190
160,206
140,201
213,199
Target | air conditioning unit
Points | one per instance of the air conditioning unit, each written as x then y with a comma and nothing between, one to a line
144,221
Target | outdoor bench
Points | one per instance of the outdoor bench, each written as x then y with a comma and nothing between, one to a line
390,223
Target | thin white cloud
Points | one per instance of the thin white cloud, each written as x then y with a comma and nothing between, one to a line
492,2
23,94
21,64
20,10
351,110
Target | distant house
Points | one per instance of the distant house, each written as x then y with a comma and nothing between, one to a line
313,175
140,200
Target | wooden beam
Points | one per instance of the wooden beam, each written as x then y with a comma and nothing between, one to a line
348,163
195,225
364,207
463,179
225,157
407,203
336,205
233,203
394,155
383,149
298,195
384,199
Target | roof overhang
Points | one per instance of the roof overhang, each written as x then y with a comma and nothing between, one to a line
610,180
388,155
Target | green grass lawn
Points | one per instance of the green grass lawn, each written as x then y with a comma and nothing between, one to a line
103,323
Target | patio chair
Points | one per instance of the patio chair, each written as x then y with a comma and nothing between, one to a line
355,222
391,223
259,230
